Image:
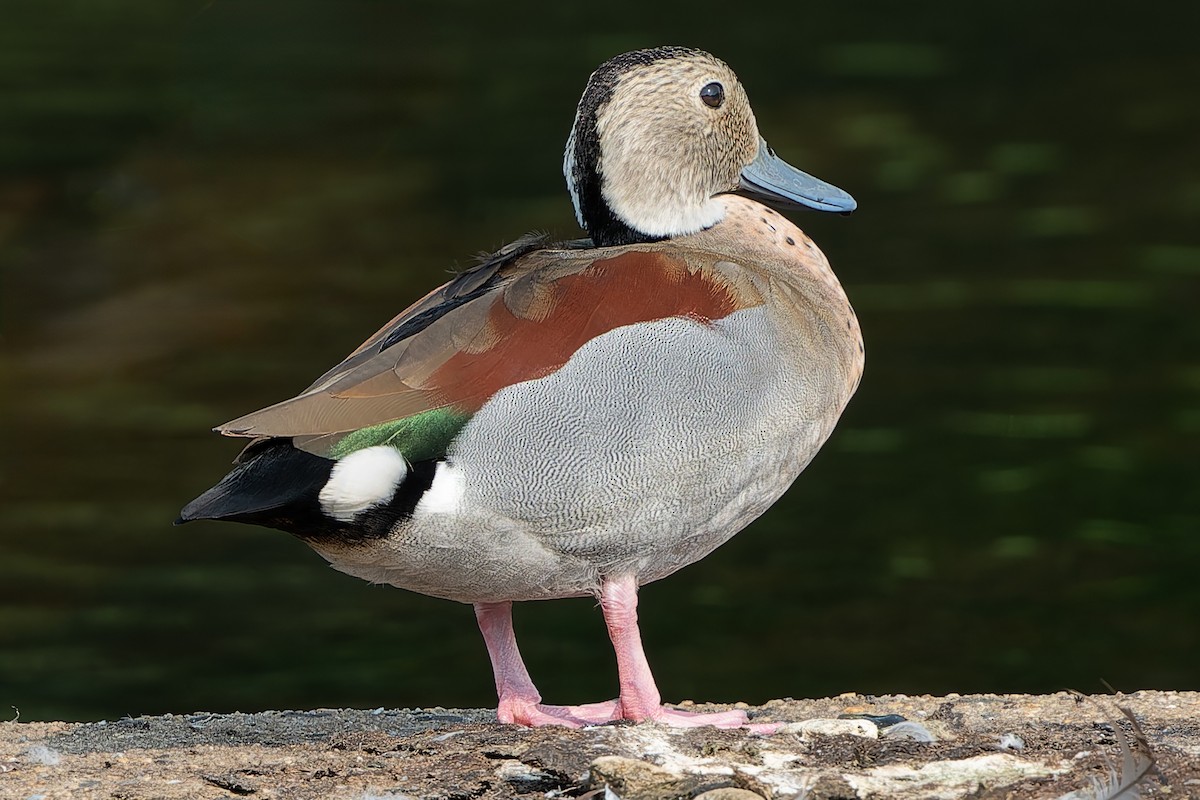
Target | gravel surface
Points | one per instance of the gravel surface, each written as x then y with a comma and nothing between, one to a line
1007,747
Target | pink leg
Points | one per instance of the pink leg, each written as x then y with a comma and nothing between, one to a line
640,699
520,701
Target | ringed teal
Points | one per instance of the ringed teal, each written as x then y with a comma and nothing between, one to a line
581,418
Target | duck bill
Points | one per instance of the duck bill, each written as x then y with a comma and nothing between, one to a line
771,180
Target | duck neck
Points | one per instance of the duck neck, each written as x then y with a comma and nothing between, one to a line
582,162
581,169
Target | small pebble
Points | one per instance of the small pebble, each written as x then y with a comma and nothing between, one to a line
728,793
1010,741
631,779
514,771
40,754
909,731
881,720
833,727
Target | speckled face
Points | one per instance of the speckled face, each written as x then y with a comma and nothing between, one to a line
658,134
665,151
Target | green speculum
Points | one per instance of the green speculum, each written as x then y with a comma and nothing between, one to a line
419,437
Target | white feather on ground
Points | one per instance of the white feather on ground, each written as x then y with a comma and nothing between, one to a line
1137,762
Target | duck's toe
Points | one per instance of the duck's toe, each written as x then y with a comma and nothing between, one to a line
691,719
533,714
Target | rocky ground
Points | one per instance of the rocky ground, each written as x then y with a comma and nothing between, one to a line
976,746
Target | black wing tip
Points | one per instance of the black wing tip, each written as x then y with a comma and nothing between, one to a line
462,288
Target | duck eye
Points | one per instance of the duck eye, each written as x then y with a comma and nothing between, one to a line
713,94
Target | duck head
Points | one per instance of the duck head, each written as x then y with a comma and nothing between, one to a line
660,133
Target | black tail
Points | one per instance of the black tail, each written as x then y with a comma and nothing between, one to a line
273,484
276,485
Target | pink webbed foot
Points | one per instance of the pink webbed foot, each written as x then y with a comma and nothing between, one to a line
530,712
534,714
718,719
640,700
665,715
692,719
520,703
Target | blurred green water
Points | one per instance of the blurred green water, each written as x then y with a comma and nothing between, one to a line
204,205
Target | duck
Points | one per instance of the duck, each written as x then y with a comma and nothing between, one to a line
581,418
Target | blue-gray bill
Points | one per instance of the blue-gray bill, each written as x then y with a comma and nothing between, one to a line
771,180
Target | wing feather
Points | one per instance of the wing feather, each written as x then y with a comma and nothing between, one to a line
518,316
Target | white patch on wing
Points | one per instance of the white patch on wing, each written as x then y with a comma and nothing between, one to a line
445,494
365,478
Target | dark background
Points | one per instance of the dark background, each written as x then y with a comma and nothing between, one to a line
203,205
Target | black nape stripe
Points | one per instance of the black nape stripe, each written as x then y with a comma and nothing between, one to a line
602,225
278,486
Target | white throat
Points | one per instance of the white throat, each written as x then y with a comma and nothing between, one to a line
656,185
648,203
656,212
